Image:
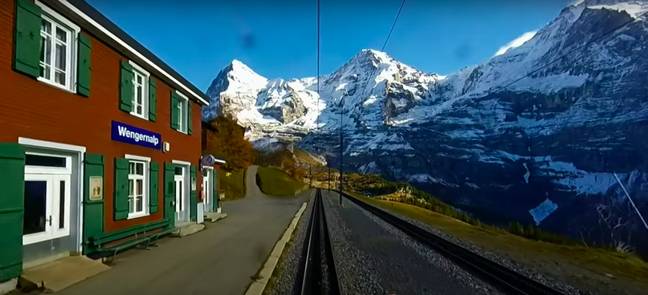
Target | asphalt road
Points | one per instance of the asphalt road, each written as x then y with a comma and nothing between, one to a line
222,259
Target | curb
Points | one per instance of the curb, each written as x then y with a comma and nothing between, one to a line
258,285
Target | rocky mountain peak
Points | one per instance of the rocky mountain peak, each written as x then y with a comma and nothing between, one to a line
634,8
235,88
372,57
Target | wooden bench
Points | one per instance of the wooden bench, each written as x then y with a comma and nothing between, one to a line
108,246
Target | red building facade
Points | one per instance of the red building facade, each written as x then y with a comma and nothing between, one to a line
99,139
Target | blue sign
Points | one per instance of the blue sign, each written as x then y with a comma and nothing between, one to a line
137,136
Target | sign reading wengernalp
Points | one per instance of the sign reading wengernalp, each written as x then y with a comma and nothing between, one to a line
130,134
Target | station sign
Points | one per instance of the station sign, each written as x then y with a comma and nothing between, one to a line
125,133
210,160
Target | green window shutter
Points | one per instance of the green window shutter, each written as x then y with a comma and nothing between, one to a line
153,187
189,121
169,194
93,166
193,197
215,199
126,87
27,38
84,66
174,110
12,182
152,100
121,189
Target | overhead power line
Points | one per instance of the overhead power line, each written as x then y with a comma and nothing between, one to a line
574,49
318,65
391,30
631,201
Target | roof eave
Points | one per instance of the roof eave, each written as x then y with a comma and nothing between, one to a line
184,87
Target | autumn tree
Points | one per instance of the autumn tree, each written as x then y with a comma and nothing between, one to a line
283,159
225,139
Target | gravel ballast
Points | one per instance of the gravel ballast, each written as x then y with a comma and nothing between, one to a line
495,257
373,257
283,277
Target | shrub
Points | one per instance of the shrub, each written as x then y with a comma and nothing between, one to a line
535,233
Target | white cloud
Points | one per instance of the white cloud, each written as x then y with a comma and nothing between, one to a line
516,42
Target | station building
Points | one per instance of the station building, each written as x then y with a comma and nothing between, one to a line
100,141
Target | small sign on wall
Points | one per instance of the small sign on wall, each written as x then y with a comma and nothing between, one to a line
96,188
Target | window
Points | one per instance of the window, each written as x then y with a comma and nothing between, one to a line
140,92
45,160
137,186
180,112
181,109
58,51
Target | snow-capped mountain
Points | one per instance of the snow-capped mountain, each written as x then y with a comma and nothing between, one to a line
293,108
534,134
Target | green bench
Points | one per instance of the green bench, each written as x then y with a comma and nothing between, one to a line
108,245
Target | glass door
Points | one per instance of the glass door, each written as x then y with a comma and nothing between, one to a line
37,206
207,189
47,203
181,195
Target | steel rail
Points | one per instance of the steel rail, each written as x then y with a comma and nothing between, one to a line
310,277
500,277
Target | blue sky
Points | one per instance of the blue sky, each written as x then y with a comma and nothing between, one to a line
277,38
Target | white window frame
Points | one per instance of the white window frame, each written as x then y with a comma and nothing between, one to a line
183,121
77,175
59,21
139,71
46,169
145,185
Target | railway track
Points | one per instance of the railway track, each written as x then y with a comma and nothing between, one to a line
500,277
316,274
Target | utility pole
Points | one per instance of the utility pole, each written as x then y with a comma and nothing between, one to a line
329,177
631,201
341,150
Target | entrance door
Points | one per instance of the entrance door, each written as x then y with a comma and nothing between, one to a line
181,195
47,198
207,190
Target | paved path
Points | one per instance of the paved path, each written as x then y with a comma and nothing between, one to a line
219,260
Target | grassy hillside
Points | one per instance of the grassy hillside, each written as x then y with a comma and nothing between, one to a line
232,183
275,182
